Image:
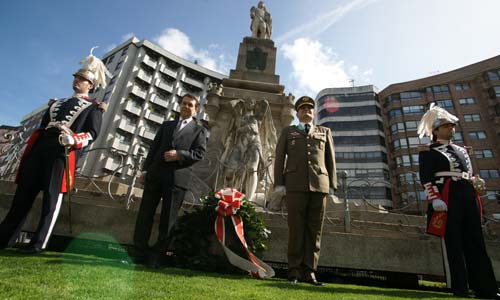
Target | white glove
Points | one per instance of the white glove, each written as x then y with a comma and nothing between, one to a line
66,140
439,205
280,189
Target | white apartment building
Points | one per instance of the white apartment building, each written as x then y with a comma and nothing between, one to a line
145,89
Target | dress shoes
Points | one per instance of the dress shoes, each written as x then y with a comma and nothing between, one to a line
314,282
495,296
30,250
293,280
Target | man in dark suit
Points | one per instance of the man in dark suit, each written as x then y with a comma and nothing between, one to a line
166,175
309,175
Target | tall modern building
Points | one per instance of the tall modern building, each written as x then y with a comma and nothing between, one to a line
354,116
145,89
472,93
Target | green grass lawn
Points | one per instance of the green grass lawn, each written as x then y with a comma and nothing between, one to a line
54,275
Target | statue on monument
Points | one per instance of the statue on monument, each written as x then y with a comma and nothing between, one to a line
249,142
262,23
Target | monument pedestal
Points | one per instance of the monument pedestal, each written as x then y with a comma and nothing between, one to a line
246,115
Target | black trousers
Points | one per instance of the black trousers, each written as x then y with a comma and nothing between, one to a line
42,170
172,198
466,250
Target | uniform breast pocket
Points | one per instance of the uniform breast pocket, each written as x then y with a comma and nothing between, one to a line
320,141
293,142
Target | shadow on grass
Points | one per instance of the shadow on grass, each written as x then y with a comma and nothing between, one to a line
339,289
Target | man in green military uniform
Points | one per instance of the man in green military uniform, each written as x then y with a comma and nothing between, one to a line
307,178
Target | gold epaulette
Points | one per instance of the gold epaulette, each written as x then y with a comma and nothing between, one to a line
422,148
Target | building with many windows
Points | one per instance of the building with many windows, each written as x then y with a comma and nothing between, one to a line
145,89
354,116
472,93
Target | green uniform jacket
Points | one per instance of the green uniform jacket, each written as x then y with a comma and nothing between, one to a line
309,158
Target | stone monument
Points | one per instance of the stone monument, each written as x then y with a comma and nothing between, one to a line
245,114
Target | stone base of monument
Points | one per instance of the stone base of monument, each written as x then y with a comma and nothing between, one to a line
378,242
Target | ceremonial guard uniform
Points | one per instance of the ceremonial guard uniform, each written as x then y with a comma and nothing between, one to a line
73,122
309,175
454,210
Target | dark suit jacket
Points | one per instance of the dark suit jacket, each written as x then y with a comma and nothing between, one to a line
190,143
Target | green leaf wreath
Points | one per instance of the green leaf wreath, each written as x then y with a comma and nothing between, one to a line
196,246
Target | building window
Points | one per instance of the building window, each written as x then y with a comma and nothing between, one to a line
410,95
483,153
438,89
467,101
411,125
472,118
106,96
119,65
493,194
458,138
124,51
393,113
398,127
447,103
403,161
477,135
497,91
462,86
399,143
413,110
113,80
489,173
110,59
494,75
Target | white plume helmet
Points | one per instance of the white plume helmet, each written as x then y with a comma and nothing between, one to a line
433,118
94,70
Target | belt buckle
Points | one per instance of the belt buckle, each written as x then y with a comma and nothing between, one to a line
465,175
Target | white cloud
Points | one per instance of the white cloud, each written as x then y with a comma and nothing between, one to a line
126,36
316,67
322,22
177,42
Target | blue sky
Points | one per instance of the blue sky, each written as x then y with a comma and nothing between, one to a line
320,43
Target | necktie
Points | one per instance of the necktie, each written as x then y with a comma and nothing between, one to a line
180,125
307,127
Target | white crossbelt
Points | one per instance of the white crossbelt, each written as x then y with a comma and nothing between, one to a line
462,175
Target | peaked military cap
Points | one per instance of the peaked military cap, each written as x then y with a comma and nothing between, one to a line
304,100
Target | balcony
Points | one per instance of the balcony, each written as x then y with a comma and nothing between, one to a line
165,70
133,108
148,61
141,93
157,118
111,164
160,101
165,86
145,76
126,126
119,145
195,83
147,134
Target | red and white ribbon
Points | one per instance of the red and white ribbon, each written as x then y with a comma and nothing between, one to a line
229,203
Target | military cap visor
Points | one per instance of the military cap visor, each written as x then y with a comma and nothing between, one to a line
304,100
